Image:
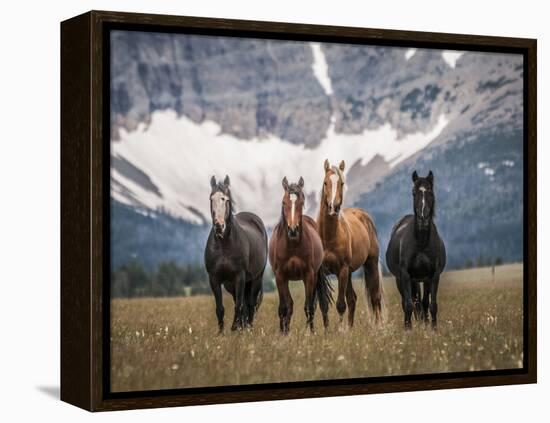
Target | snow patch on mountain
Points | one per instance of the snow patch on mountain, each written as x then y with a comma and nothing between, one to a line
320,67
409,53
180,156
451,56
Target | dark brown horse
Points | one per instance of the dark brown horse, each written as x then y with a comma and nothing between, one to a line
296,253
350,242
235,256
416,253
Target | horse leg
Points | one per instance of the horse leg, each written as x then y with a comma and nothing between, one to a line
343,279
285,304
416,297
351,299
406,297
220,311
239,302
433,304
309,306
374,289
246,304
252,299
425,301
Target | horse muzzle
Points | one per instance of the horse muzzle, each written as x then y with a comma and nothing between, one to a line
219,230
293,232
334,210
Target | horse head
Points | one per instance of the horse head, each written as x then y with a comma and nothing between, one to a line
333,187
423,198
221,205
293,206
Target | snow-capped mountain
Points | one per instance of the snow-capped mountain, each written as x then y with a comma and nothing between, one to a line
179,156
185,108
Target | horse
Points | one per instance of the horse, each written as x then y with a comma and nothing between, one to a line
235,256
296,253
349,241
416,253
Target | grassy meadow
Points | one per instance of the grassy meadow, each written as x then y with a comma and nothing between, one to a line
164,343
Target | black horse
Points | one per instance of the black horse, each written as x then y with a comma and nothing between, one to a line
235,256
416,253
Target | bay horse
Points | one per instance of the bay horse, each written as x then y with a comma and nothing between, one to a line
296,253
349,241
235,256
416,253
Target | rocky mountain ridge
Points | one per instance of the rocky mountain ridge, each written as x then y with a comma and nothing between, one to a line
260,90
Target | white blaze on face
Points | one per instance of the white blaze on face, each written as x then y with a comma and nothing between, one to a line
423,191
333,181
219,205
293,198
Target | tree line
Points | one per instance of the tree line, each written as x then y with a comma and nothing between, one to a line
169,279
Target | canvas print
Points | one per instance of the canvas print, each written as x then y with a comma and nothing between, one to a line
289,211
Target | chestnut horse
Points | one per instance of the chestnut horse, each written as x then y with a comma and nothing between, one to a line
350,242
296,253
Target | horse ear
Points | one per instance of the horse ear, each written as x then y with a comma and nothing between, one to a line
415,176
285,183
226,181
342,165
301,182
213,182
431,177
327,165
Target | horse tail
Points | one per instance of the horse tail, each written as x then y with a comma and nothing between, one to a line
374,287
259,299
383,308
324,289
260,294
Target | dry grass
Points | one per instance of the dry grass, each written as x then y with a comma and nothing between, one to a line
173,343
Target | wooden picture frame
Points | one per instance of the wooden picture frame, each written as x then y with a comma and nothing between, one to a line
85,211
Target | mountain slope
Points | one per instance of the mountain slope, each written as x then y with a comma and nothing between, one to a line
187,107
479,197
